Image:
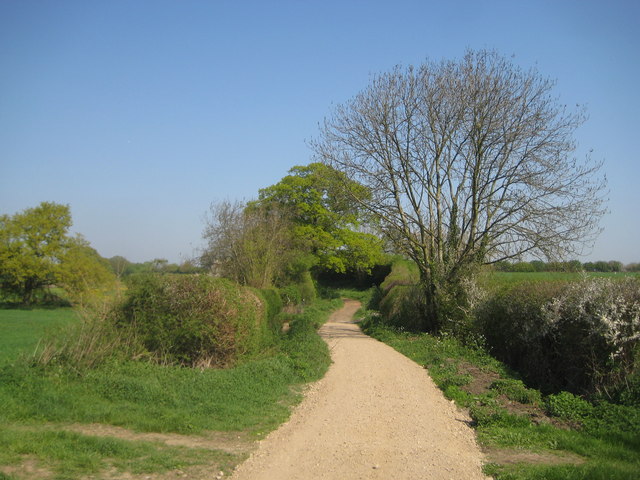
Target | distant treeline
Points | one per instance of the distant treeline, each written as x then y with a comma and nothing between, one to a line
570,266
123,268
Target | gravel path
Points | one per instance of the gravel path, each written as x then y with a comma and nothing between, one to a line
375,415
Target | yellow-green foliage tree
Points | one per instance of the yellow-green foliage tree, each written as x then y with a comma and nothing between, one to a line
36,252
83,271
326,221
32,244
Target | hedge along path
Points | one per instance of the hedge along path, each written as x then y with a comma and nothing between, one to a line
375,415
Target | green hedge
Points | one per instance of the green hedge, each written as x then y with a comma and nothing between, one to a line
196,320
273,303
401,307
399,299
403,272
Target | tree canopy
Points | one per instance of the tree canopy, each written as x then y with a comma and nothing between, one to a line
467,162
249,245
82,270
326,221
37,252
32,244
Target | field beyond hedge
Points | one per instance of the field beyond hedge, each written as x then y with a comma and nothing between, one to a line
22,329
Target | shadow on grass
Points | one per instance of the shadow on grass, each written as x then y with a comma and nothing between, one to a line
47,305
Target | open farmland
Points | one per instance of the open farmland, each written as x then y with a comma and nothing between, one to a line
497,279
21,329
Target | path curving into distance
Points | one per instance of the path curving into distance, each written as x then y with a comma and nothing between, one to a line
375,415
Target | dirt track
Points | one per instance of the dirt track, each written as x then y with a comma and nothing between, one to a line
375,415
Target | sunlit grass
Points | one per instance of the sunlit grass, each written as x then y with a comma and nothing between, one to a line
254,397
22,329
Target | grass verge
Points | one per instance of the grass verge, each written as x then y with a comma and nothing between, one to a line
250,399
521,441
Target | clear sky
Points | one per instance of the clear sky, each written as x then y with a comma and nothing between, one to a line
139,114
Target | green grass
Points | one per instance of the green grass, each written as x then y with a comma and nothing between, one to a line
496,279
154,398
71,455
609,441
254,397
22,329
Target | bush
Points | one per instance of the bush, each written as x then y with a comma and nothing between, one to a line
290,295
302,293
512,323
307,289
567,406
597,325
607,418
581,337
195,320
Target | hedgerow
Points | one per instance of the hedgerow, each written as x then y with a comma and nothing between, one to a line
195,320
582,337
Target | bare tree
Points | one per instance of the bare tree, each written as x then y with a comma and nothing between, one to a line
249,245
469,162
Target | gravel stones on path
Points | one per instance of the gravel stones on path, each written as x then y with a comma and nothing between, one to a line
375,415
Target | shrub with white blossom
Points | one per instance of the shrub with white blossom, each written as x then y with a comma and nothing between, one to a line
582,336
599,319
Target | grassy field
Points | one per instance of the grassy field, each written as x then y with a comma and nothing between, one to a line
498,278
22,329
134,419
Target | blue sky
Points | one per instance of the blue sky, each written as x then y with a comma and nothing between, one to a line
139,114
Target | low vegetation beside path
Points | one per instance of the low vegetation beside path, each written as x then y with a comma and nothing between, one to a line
152,413
578,334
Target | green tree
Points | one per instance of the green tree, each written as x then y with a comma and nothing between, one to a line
326,221
32,245
82,271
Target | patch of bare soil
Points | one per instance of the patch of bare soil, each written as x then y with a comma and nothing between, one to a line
230,442
202,472
29,468
481,383
375,415
510,457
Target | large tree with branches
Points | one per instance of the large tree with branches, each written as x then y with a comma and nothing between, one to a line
469,162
